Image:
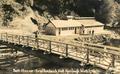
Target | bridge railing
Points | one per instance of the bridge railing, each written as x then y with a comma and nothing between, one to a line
103,56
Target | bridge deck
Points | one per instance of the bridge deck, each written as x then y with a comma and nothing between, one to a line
102,56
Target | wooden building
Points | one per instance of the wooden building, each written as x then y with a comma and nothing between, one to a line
70,27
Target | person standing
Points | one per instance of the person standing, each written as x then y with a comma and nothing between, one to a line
92,32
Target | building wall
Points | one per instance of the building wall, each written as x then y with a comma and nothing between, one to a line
52,30
65,32
95,29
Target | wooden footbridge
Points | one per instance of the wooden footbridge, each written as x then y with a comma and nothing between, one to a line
105,57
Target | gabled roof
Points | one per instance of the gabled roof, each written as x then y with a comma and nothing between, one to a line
65,23
75,23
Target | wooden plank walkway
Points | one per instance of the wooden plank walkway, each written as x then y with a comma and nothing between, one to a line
106,57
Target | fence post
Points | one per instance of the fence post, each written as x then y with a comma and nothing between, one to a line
50,46
88,53
113,61
66,50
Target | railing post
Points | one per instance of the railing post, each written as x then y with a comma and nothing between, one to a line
66,50
27,40
12,39
37,43
105,48
6,37
50,46
19,39
113,61
1,36
88,53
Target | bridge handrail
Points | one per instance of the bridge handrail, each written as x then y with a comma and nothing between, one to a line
96,47
87,47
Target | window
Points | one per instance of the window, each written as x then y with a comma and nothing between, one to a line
64,29
59,29
71,28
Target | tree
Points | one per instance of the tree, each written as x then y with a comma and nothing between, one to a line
106,12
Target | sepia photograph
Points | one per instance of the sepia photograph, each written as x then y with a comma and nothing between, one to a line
59,36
